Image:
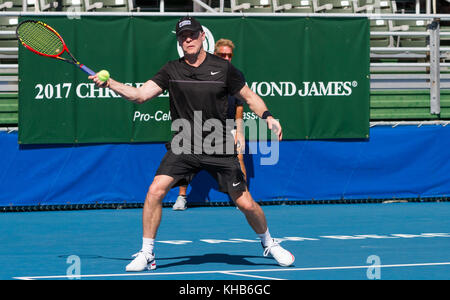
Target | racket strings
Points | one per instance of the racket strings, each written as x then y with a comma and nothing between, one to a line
40,38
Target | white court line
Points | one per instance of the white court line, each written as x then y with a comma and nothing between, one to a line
254,276
234,271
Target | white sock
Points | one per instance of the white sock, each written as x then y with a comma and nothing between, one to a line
147,245
266,239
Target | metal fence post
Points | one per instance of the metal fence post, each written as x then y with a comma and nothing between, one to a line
435,102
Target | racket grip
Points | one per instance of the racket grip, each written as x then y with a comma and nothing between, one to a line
87,70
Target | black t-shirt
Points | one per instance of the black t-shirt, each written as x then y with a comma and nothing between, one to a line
233,102
199,100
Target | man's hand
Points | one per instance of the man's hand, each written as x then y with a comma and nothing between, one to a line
275,126
98,82
240,142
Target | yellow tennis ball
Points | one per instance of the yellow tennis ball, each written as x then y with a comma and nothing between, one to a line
103,75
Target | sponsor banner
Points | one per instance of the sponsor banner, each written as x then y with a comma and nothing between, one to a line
313,74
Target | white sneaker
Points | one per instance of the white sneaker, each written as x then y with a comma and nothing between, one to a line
180,204
283,257
143,261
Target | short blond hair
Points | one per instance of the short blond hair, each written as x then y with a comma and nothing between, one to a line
223,42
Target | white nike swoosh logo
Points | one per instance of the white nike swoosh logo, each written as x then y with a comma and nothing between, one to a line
236,184
214,73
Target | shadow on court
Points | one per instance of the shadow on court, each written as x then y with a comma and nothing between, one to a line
211,258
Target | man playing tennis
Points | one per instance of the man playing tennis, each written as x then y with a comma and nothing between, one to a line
224,48
198,85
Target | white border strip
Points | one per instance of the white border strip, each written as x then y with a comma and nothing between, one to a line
235,272
442,17
372,124
417,123
9,129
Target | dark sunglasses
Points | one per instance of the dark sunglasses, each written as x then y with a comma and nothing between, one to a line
225,55
189,34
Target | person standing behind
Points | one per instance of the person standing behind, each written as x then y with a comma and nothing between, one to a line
224,48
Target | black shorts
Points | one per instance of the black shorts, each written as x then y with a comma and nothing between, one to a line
224,168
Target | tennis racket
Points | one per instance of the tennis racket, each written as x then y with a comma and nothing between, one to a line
42,39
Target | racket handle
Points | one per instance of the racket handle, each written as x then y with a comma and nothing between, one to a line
87,70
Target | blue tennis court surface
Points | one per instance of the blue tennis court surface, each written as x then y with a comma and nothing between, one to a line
345,241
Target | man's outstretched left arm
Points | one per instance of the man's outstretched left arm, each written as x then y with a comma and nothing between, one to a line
257,105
